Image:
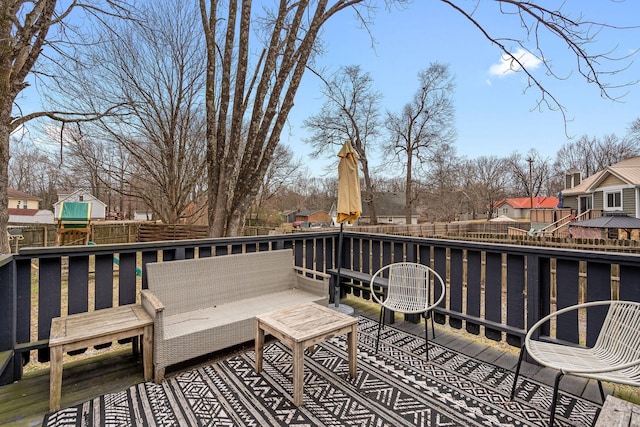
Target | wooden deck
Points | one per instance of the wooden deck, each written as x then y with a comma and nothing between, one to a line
26,402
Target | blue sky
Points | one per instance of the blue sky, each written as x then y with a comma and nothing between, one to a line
493,115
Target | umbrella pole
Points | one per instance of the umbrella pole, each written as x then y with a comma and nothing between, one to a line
336,297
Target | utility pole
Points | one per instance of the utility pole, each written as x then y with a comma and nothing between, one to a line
530,160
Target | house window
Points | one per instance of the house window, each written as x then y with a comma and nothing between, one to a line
81,198
25,205
613,200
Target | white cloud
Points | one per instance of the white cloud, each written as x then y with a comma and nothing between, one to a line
508,65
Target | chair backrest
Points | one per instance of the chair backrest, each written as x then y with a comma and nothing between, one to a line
191,284
619,337
409,286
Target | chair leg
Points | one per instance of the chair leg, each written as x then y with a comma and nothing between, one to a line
601,390
426,339
379,326
433,329
554,400
515,378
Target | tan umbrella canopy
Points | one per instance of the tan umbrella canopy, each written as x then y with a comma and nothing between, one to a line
349,205
349,200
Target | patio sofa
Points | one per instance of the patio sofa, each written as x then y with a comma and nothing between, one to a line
207,304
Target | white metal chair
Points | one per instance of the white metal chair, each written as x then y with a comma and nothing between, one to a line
615,356
408,291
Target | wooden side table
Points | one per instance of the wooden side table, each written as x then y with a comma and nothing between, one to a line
97,327
618,413
303,326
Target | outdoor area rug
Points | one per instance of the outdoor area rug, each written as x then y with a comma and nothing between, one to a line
395,387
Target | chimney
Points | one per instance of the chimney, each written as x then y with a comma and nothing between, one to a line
572,178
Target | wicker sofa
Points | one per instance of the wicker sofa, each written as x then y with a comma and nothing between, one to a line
207,304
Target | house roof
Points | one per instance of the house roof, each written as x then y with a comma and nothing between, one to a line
539,202
15,194
308,212
64,196
23,212
609,221
627,170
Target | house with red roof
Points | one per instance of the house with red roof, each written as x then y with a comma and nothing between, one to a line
520,207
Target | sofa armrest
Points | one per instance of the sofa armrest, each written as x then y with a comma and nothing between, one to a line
151,303
311,284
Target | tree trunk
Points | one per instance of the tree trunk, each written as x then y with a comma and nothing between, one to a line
409,188
5,117
245,119
7,98
369,191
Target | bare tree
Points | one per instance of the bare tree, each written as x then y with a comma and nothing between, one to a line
351,112
441,198
633,132
154,149
529,174
32,171
422,128
249,97
591,154
282,171
487,181
33,35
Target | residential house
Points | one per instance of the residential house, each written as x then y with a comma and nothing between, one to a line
520,207
25,209
312,217
289,215
616,188
390,209
20,200
98,208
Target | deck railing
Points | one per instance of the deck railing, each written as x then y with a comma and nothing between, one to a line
492,289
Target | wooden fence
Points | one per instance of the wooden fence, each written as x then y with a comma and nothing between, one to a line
43,235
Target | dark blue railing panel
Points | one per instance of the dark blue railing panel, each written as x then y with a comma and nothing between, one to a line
630,282
127,292
456,287
493,294
152,256
543,290
474,289
598,289
103,281
78,284
440,266
567,293
7,302
49,299
515,297
7,319
23,305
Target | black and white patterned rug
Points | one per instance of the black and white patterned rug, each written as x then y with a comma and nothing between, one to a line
393,388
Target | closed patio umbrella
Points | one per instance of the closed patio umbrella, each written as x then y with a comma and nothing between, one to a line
349,205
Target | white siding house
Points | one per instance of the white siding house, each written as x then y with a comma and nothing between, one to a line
98,208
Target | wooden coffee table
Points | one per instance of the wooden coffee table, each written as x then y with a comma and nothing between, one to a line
303,326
